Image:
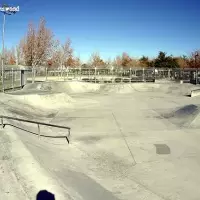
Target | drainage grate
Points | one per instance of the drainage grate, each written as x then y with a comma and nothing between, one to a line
162,149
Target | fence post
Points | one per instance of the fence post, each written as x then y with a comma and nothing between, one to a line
64,74
80,73
22,78
61,73
12,79
32,75
112,74
169,73
95,73
89,75
58,73
143,74
121,74
74,73
46,73
67,73
196,76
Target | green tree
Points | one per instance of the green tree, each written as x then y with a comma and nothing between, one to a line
144,61
164,61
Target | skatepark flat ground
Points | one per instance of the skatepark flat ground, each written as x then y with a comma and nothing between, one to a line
128,141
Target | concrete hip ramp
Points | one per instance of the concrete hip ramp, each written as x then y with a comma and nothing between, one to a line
71,87
68,87
46,100
195,92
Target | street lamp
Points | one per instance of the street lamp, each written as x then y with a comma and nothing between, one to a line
6,10
195,63
195,58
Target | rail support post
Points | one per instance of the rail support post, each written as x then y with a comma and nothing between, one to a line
38,131
2,122
69,133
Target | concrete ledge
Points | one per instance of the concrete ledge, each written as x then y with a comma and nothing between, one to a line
195,93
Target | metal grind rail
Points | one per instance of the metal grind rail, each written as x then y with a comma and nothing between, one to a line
38,125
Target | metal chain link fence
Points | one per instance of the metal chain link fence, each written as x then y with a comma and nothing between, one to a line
16,78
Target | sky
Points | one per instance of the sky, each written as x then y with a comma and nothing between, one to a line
111,27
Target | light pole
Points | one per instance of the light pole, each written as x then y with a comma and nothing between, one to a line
195,62
2,59
6,10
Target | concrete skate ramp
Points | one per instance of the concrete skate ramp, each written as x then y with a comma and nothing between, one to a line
68,87
98,163
122,88
183,116
73,87
44,100
116,88
196,122
195,93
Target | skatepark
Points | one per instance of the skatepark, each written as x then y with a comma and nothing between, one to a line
127,141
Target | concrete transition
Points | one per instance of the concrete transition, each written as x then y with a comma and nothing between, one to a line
195,93
128,141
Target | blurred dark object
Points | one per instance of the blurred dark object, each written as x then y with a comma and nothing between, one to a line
45,195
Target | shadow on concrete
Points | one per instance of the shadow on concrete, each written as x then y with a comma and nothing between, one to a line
45,195
181,116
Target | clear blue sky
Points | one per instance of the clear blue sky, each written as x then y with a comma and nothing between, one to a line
139,27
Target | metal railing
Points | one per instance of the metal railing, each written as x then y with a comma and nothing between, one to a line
134,74
38,125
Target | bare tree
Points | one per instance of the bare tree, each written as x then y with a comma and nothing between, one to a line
108,63
126,60
77,61
194,60
37,45
182,61
67,52
55,57
96,60
12,57
43,43
117,62
70,62
134,63
65,55
20,58
9,56
29,44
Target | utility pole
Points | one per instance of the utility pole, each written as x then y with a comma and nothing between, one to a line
6,10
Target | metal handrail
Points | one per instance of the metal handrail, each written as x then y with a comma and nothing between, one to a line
35,122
